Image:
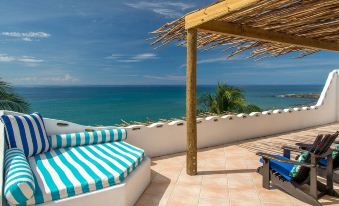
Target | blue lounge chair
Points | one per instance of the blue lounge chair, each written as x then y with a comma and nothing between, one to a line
291,175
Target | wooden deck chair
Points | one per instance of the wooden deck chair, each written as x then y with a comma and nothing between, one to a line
323,163
280,170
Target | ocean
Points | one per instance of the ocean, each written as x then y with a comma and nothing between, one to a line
108,105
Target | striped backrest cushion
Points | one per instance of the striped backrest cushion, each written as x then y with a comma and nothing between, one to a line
19,180
26,132
87,138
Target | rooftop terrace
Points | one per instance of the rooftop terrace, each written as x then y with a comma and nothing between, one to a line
226,175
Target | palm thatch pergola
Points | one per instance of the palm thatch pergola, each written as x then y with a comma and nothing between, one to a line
264,28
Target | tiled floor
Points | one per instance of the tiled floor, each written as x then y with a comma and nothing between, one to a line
226,175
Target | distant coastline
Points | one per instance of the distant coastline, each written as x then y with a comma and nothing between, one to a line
306,95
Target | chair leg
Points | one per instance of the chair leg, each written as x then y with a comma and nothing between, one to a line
329,173
335,177
266,175
313,179
325,191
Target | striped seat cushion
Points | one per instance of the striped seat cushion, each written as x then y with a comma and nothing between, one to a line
19,181
26,132
87,138
66,172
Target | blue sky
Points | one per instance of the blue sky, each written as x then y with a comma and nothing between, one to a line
82,42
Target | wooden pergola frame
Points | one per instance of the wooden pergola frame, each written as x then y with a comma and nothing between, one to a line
205,20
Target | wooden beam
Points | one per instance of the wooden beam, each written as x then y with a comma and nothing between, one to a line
248,32
191,97
215,11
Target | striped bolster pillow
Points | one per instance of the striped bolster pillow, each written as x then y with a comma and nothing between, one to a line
26,132
87,138
19,180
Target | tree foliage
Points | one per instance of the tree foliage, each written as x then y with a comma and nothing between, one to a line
9,100
226,99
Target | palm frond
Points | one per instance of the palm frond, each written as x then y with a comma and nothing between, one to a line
226,99
9,100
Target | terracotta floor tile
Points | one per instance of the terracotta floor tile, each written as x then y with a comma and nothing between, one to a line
187,179
213,202
240,183
216,168
240,174
245,202
235,165
329,200
159,178
226,176
275,195
151,200
186,190
248,194
276,204
171,173
182,201
250,164
214,191
215,180
160,189
300,203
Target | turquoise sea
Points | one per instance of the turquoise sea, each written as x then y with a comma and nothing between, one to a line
107,105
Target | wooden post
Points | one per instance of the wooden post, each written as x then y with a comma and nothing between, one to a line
191,98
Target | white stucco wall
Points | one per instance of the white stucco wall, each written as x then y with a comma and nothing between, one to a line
161,139
168,138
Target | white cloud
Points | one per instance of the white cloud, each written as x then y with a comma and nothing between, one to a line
46,79
167,9
28,59
116,56
145,56
166,77
24,59
131,59
6,58
26,36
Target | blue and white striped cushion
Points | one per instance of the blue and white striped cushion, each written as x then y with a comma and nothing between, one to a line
71,171
19,180
26,132
87,138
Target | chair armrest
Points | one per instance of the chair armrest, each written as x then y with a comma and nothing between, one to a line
303,146
293,149
273,157
324,155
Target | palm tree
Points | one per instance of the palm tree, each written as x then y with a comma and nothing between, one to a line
226,99
9,100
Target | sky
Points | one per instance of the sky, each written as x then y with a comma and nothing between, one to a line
104,42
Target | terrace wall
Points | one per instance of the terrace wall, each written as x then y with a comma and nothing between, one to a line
160,139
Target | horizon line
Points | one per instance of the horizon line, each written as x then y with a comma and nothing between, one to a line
132,85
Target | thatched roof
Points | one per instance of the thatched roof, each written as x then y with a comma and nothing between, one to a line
310,19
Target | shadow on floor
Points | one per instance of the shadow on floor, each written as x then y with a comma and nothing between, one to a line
329,200
156,190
